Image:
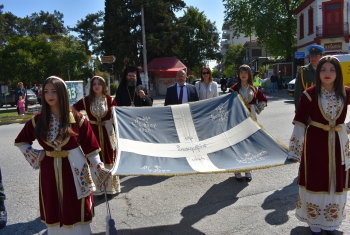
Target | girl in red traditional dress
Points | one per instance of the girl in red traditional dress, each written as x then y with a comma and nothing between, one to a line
97,106
320,143
65,183
253,98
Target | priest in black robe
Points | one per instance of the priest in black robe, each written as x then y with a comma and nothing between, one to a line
131,92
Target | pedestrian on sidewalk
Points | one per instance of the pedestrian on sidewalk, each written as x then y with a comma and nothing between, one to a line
206,88
98,107
253,98
65,183
320,143
273,80
21,104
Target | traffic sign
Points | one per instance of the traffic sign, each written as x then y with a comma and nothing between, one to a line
299,55
108,59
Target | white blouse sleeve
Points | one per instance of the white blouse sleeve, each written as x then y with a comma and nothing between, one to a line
31,155
296,142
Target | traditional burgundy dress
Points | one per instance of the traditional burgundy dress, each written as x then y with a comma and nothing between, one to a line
255,101
99,113
320,142
65,197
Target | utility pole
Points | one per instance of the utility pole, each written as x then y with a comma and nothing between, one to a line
144,51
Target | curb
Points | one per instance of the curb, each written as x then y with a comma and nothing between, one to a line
15,119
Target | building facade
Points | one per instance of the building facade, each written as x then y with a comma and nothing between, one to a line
325,23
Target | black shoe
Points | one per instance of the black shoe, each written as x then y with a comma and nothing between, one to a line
248,177
330,232
238,177
3,216
316,233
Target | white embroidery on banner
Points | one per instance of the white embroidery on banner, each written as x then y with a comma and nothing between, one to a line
197,147
220,115
156,169
143,125
251,158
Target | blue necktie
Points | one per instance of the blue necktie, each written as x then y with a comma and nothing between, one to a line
181,94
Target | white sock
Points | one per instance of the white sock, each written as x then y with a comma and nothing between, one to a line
315,229
248,174
238,175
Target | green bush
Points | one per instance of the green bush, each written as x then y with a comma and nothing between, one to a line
114,88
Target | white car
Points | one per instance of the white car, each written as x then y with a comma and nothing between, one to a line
291,86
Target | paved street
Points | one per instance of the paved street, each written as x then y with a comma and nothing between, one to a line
214,204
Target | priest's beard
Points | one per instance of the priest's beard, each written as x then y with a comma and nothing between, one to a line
131,83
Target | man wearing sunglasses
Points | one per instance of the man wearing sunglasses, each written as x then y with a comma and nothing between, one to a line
181,92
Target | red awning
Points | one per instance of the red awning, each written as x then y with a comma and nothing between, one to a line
165,67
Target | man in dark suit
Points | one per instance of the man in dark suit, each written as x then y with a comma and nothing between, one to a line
181,92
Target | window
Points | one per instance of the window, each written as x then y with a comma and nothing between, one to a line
301,26
256,52
311,20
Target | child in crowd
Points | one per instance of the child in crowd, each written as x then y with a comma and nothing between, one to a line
21,104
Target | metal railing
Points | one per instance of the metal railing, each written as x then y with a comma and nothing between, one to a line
335,30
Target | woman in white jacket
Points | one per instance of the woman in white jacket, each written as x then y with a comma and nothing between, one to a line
206,88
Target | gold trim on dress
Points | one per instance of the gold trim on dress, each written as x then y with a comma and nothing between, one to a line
308,95
59,154
93,153
326,127
21,143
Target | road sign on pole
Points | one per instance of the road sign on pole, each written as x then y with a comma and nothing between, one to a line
299,55
108,59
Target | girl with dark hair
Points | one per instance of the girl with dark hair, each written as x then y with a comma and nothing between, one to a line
252,97
206,88
65,183
98,107
320,143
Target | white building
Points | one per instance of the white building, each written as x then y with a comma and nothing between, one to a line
325,23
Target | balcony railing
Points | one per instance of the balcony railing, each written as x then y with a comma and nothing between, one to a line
336,30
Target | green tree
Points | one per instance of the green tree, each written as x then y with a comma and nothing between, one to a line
89,30
31,60
230,71
42,23
199,41
122,35
234,56
272,21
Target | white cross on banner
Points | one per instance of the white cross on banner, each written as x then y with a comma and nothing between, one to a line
214,135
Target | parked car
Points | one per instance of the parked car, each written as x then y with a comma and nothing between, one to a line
31,97
8,100
291,86
196,80
231,82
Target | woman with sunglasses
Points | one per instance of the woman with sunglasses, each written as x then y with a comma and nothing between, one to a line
98,107
206,88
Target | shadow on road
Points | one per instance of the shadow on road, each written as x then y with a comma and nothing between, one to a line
281,201
216,198
31,227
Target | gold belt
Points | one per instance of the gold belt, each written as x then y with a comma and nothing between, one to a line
55,153
98,123
326,127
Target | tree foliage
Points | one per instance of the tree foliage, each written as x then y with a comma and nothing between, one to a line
32,60
192,38
89,30
199,41
234,57
272,21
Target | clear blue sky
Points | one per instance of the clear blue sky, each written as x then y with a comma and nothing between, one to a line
74,10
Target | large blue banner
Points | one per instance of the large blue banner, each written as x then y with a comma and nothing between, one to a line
214,135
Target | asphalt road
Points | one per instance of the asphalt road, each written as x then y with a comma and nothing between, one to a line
195,204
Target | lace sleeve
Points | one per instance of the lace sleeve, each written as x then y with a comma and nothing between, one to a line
31,155
296,142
